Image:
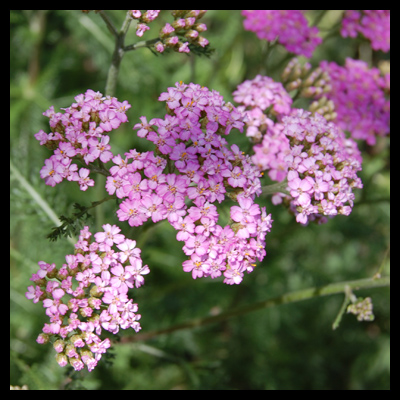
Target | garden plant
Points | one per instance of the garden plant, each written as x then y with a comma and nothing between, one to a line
200,199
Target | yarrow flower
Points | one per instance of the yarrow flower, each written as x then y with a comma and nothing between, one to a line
374,25
359,95
87,294
289,27
202,170
183,31
323,166
265,102
79,134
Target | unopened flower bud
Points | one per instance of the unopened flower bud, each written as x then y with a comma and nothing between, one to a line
293,85
43,338
61,359
77,341
200,27
362,309
179,24
59,345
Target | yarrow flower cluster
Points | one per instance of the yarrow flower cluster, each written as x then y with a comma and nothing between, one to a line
78,134
362,308
289,27
260,99
87,294
374,25
323,167
185,30
359,95
203,171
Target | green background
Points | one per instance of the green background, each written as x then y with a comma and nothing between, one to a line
56,55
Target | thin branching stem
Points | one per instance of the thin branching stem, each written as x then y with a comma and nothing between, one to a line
292,297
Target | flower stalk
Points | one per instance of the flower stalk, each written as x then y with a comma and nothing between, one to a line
288,298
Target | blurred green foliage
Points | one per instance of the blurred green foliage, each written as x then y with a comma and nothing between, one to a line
55,55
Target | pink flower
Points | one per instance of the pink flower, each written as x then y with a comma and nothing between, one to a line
197,244
247,210
290,27
172,97
52,172
144,127
84,180
196,265
185,226
236,178
109,120
130,210
141,29
299,189
110,235
203,209
34,293
153,207
232,276
120,280
176,209
137,270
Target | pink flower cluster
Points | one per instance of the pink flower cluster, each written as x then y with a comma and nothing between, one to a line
78,134
290,27
323,167
358,93
372,24
143,19
263,92
183,31
87,294
257,96
203,170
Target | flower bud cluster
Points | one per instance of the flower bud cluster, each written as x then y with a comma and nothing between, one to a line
203,171
87,294
310,84
372,24
358,94
264,102
289,27
323,167
185,30
363,309
78,134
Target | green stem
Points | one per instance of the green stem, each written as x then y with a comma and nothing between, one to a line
143,43
346,301
112,77
108,22
42,203
293,297
279,187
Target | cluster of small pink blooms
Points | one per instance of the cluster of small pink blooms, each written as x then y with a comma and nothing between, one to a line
260,99
289,27
358,93
264,93
87,294
185,30
374,25
323,167
78,134
203,171
143,19
270,154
